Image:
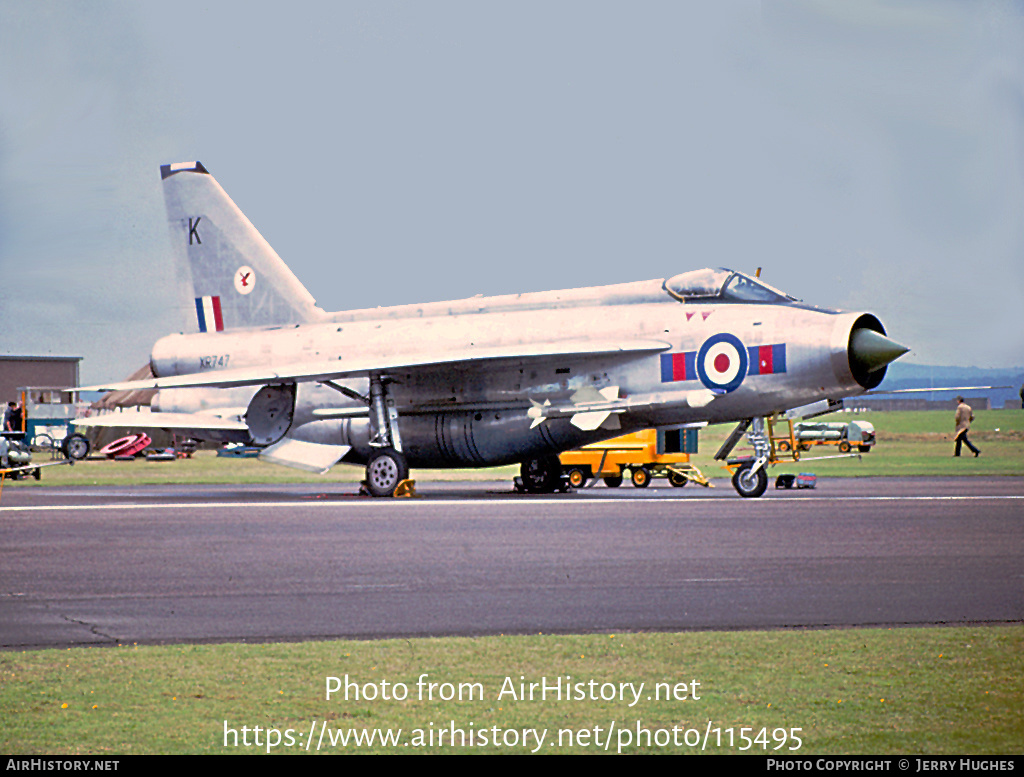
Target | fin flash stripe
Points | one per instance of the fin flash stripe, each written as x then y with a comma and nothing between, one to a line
208,313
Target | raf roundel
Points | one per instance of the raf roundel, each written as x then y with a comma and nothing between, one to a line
722,363
245,280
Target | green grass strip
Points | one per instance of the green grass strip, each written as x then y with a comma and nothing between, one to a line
856,691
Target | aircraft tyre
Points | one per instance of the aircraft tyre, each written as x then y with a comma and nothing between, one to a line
542,475
75,447
750,484
641,477
613,481
385,470
676,479
577,477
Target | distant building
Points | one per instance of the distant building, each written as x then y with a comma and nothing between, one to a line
862,403
52,372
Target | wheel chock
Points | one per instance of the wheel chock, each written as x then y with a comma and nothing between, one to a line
406,488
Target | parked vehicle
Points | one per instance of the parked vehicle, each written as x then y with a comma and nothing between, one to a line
844,435
16,458
645,455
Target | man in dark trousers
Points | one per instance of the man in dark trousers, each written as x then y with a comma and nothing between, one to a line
12,423
964,416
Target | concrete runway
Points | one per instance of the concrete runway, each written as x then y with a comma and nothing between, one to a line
107,565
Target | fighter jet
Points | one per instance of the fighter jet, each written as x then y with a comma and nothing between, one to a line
483,381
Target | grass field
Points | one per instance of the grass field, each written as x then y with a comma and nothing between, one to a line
855,691
859,691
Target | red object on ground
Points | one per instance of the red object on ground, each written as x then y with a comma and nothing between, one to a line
126,446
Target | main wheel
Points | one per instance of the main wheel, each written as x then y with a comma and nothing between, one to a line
75,446
542,475
385,470
750,484
577,477
641,477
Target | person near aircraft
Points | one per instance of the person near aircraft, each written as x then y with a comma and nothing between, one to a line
13,417
963,419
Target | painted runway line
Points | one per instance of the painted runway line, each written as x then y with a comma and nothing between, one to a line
410,503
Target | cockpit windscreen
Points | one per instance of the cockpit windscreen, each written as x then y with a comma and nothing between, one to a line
722,284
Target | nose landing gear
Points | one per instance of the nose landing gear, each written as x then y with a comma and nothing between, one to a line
749,477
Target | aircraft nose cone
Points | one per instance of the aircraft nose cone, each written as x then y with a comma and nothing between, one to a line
870,350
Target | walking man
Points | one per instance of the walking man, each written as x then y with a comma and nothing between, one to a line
964,416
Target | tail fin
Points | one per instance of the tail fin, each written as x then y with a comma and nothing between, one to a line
237,279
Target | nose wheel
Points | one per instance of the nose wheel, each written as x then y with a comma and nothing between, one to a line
749,477
750,482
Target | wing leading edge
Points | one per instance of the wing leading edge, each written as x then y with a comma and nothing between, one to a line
338,368
146,419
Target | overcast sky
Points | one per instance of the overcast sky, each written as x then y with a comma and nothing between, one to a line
867,155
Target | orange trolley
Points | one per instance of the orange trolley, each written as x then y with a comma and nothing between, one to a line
647,454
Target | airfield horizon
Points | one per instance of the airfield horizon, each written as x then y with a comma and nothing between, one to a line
910,443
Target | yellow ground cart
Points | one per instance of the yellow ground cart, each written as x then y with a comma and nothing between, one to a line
647,454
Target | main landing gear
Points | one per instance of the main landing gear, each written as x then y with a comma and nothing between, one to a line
542,475
387,468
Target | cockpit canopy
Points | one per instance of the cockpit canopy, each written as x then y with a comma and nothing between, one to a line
722,285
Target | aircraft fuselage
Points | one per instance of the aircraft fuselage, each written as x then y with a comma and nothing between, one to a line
755,358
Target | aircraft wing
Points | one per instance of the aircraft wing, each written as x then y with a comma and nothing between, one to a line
931,388
362,367
145,419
